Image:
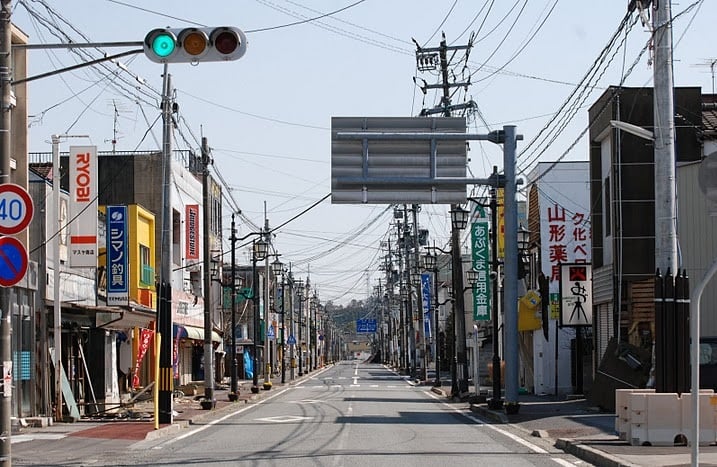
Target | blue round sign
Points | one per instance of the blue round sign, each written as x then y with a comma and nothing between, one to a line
13,261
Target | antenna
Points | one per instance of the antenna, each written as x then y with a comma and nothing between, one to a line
712,64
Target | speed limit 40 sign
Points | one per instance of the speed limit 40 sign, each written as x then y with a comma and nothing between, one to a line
15,208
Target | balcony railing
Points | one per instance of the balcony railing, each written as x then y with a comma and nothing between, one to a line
147,277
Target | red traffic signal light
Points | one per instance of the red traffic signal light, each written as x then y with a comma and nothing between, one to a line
194,45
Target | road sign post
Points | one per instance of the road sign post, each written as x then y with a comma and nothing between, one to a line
13,261
16,209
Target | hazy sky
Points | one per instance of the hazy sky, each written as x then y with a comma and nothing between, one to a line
267,116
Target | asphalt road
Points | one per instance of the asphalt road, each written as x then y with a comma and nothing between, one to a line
351,414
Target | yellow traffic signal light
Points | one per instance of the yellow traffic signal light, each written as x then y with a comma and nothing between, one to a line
195,45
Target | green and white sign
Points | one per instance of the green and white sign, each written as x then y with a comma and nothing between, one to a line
481,262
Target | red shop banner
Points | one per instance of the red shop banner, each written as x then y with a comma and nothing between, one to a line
145,340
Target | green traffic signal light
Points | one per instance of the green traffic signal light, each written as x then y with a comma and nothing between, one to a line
195,45
163,45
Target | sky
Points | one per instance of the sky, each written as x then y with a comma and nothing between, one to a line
267,116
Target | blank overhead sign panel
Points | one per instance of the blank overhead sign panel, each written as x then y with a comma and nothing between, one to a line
397,160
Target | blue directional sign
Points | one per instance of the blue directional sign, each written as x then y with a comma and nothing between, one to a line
365,325
13,261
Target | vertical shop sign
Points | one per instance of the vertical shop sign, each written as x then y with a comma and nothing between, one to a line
192,231
83,206
481,263
117,261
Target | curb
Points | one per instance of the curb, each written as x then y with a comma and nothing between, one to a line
167,430
495,416
590,454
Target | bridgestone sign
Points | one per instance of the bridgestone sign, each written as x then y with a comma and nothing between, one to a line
398,160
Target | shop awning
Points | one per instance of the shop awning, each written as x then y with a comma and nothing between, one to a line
122,320
192,332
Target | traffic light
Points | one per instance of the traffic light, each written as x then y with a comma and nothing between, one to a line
194,45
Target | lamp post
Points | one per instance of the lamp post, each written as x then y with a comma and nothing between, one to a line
278,268
459,219
419,325
430,263
233,389
300,296
496,402
258,253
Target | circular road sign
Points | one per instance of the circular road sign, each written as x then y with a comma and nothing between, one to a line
15,208
13,261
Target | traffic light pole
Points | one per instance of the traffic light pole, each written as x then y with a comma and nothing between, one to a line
165,379
208,346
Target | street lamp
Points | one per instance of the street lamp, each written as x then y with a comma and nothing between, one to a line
496,402
232,285
278,268
459,220
421,328
430,263
258,253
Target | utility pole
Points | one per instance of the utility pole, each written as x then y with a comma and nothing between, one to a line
5,150
664,130
458,301
208,346
165,379
267,297
407,241
419,294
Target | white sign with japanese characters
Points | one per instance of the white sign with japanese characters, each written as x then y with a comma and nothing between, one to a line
576,294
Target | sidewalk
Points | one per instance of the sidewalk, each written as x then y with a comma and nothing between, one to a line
580,429
137,422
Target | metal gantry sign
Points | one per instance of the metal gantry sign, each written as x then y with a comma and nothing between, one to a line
394,160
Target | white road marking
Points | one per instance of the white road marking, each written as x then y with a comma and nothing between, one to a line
34,436
354,385
515,438
283,419
243,409
562,462
214,422
373,386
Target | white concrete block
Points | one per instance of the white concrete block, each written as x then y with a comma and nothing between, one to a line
656,418
708,417
622,410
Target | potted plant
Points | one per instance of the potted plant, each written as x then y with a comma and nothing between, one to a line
208,404
512,408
